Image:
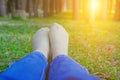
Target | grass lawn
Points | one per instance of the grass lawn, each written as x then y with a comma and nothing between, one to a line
97,47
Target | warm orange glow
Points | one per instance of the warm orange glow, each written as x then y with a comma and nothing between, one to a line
94,6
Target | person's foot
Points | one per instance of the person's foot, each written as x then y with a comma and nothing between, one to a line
41,41
59,40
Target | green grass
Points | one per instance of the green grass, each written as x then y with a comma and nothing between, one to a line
97,47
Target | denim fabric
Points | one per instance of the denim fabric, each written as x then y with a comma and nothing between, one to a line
31,67
34,66
65,68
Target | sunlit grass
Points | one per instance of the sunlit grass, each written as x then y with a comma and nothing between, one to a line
95,46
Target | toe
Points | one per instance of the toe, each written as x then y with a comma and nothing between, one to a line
43,30
58,28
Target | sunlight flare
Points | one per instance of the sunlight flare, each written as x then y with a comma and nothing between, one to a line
94,5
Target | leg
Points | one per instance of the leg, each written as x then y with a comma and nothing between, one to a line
33,66
65,68
62,66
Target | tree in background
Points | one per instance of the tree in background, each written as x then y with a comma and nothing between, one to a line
52,7
20,8
67,4
45,8
58,5
86,9
75,9
104,9
23,8
30,8
110,6
16,8
34,8
117,11
2,8
11,7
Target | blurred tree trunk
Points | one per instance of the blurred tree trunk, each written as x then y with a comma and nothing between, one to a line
2,8
75,9
86,9
105,8
30,8
36,7
45,8
11,7
110,6
52,7
83,9
117,11
41,4
61,4
58,6
21,4
21,8
67,4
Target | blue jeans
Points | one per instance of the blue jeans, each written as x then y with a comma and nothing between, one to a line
34,66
